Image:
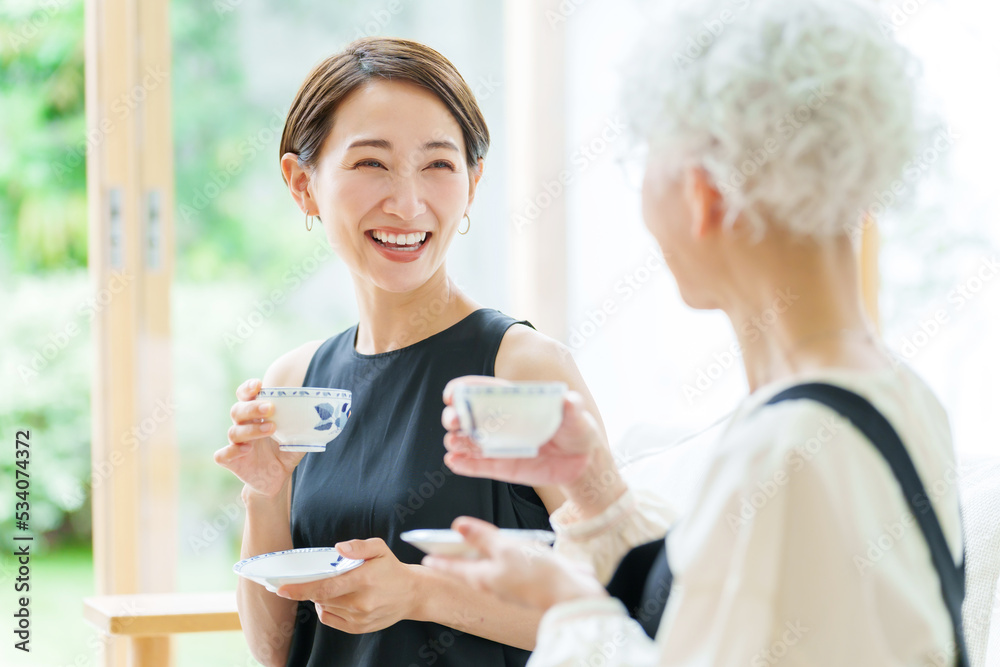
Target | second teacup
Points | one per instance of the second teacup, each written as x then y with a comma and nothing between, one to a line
510,420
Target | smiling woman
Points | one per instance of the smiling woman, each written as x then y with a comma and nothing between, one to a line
385,177
385,144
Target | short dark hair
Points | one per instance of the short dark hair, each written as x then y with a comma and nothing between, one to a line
311,115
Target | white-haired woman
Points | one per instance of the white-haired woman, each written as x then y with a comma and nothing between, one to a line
813,540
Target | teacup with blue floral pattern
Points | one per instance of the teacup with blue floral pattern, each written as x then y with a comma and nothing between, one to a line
307,418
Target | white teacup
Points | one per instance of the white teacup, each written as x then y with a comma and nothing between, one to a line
510,420
306,418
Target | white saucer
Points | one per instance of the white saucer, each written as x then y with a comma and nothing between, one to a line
295,566
447,542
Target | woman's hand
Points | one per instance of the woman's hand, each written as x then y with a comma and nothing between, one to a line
252,455
529,575
372,597
560,461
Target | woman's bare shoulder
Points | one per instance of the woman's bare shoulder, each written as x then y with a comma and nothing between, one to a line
289,370
527,354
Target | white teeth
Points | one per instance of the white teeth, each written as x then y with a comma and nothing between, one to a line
403,240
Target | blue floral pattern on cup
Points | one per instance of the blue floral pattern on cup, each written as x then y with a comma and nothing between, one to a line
329,410
325,412
315,393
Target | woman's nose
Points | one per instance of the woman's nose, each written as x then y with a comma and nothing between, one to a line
405,201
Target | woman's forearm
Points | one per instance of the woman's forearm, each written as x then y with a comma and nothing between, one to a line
267,619
597,488
447,601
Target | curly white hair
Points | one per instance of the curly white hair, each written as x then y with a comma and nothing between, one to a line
800,110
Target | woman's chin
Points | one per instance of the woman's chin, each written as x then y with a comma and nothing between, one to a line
399,284
697,300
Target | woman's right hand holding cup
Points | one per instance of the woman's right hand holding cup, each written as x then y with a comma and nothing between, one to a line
252,454
577,458
559,461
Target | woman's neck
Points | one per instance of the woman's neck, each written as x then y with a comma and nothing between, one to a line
390,321
798,309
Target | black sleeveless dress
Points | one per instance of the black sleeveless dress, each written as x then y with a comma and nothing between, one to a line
385,474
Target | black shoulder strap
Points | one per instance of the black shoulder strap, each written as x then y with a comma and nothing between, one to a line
867,419
490,326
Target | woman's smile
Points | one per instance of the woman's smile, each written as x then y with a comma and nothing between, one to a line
392,169
398,245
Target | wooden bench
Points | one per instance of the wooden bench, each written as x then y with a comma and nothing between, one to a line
148,620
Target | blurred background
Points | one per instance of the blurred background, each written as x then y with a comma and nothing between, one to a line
236,66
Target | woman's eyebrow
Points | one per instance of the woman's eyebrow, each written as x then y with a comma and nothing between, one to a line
431,145
386,145
372,143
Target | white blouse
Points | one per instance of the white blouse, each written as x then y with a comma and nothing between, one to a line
799,548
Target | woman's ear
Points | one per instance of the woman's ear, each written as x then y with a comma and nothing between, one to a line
297,178
475,174
704,202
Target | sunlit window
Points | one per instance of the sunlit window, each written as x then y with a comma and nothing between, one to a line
651,359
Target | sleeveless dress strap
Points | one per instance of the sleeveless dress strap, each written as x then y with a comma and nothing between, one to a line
492,327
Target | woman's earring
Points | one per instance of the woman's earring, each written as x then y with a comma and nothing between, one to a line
309,223
467,226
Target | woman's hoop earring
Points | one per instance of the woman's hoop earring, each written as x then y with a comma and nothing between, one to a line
309,223
467,226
